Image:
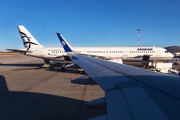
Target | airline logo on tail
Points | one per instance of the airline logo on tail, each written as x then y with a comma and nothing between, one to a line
23,35
64,43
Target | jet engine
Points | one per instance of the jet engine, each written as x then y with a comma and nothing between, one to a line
116,60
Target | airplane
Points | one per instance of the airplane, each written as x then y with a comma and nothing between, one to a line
130,93
114,54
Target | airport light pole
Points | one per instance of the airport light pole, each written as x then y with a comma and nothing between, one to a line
138,36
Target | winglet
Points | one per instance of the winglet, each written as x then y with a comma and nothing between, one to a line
65,45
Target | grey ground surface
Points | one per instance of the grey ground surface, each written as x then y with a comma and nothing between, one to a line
30,92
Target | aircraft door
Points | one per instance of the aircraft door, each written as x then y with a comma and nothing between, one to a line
84,51
158,52
125,53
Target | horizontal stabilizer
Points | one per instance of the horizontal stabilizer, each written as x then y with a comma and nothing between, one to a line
17,50
98,103
85,80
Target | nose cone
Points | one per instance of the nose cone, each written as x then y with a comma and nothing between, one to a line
171,55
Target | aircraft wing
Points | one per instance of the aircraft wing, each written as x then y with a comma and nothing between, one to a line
131,93
98,56
19,50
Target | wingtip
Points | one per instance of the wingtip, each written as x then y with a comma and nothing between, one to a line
20,25
59,36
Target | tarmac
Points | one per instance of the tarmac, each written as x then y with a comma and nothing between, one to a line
30,92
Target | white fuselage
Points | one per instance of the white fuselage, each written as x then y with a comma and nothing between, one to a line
124,53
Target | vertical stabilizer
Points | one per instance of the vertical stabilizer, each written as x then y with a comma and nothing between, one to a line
28,40
64,43
66,46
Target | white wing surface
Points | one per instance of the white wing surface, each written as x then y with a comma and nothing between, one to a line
131,93
19,50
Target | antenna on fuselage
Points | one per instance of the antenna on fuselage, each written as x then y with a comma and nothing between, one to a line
138,36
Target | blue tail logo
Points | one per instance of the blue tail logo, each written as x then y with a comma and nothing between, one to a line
64,43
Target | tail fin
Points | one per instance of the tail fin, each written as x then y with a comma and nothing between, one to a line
64,43
28,40
66,46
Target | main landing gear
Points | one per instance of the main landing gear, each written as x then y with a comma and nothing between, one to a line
63,66
46,63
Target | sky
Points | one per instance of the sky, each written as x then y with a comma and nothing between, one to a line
89,23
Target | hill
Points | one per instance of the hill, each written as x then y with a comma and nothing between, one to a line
173,49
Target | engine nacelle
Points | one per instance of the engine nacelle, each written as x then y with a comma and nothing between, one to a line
67,58
116,60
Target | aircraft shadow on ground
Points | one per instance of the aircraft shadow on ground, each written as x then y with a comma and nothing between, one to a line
19,64
31,64
54,67
18,105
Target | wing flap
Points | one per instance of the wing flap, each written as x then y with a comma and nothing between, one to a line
143,107
117,106
132,104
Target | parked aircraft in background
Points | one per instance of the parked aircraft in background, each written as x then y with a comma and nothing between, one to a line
130,93
115,54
